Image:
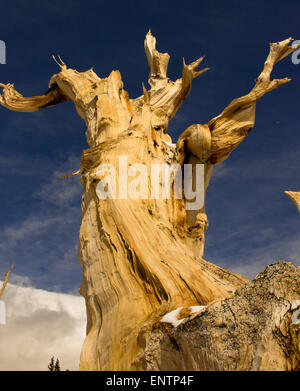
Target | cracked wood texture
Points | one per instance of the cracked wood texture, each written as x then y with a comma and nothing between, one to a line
142,258
258,329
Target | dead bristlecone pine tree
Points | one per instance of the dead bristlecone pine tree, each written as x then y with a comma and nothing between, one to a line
142,252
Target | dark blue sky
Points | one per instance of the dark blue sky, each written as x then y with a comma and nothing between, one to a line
252,222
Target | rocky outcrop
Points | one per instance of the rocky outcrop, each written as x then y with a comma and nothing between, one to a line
257,329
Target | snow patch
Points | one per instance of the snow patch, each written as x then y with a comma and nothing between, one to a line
169,144
172,317
295,304
197,308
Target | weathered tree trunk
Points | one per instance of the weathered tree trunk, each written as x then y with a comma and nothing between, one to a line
142,257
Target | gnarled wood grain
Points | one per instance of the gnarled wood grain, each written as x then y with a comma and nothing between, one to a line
142,258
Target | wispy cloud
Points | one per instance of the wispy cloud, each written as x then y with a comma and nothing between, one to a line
255,260
18,165
43,240
58,191
12,235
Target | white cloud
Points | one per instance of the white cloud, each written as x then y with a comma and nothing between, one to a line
220,170
39,325
58,191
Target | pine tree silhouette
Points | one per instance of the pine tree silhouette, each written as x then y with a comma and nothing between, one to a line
51,364
57,365
54,367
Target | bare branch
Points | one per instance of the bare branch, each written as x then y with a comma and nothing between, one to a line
295,197
13,100
189,73
165,93
158,62
61,64
230,127
6,280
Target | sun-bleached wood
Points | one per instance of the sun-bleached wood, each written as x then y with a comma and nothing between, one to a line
257,329
295,197
142,258
6,276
